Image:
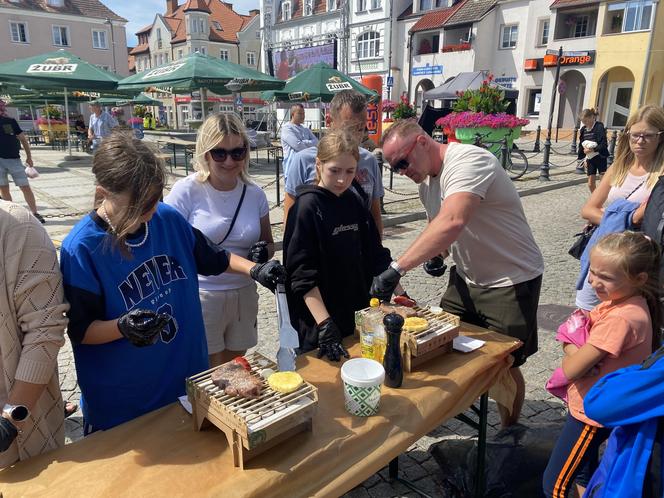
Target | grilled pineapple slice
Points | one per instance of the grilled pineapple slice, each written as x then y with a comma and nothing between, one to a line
285,382
415,324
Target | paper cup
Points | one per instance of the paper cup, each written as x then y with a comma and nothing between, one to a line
362,379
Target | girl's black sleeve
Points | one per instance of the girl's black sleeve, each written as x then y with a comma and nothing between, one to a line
580,154
210,258
302,256
602,143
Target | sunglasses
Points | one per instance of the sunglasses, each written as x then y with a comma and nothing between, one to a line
403,163
237,154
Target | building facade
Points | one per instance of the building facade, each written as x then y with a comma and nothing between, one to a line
210,27
86,28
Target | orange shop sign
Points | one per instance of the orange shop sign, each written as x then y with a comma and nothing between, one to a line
583,58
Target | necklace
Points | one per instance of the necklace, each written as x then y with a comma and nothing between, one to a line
104,215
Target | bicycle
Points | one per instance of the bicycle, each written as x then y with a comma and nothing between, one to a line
515,163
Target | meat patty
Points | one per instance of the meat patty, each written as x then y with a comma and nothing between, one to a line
404,311
236,381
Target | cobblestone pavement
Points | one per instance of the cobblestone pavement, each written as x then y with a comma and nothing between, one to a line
67,189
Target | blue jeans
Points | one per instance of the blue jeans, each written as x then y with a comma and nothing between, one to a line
574,458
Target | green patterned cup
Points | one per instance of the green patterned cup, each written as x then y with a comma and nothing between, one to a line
362,379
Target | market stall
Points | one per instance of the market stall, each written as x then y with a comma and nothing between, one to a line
160,454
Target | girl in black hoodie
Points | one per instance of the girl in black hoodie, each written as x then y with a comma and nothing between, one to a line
595,157
332,250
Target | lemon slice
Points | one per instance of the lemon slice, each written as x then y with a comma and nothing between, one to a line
415,324
374,302
285,382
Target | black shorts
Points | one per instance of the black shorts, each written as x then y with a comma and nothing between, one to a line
596,165
509,310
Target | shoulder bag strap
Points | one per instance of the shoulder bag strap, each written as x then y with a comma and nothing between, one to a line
637,188
237,210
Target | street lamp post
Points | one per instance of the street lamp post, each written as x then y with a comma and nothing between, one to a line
110,24
544,169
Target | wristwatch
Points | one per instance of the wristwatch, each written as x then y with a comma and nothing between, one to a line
397,268
15,413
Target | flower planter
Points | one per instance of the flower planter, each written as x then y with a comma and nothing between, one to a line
467,136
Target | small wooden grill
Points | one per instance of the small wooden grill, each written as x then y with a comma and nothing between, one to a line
251,426
436,339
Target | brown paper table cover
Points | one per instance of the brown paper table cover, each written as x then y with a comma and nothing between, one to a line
159,454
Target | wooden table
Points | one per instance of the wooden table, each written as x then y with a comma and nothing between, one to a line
186,145
159,454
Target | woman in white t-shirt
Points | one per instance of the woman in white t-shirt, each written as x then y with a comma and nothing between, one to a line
223,203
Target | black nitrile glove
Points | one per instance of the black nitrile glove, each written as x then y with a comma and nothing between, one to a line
269,274
142,327
329,341
8,433
435,266
258,252
383,285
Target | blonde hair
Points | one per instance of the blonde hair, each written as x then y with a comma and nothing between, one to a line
654,116
334,143
402,128
635,253
214,129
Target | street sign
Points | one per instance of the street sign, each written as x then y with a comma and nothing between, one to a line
390,81
426,70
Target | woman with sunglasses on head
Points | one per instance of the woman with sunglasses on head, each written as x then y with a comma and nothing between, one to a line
130,275
638,163
332,249
222,202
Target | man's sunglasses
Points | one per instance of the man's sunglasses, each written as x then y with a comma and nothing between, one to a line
237,154
403,163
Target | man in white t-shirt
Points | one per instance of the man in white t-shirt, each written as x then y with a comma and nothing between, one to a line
475,213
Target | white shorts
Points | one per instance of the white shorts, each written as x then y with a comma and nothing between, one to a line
230,318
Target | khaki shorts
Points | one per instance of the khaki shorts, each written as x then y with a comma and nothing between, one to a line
230,318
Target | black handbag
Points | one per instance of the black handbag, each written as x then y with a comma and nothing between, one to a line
581,241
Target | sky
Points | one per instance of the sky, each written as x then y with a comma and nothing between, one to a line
140,13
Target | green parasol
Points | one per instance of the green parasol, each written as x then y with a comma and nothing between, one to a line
318,83
196,71
59,70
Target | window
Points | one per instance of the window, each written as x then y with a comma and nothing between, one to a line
534,101
508,36
203,50
166,58
368,45
375,4
180,53
308,7
361,5
216,25
19,32
56,3
201,26
332,5
251,58
581,26
99,39
543,35
629,16
159,42
223,54
61,36
285,11
425,5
